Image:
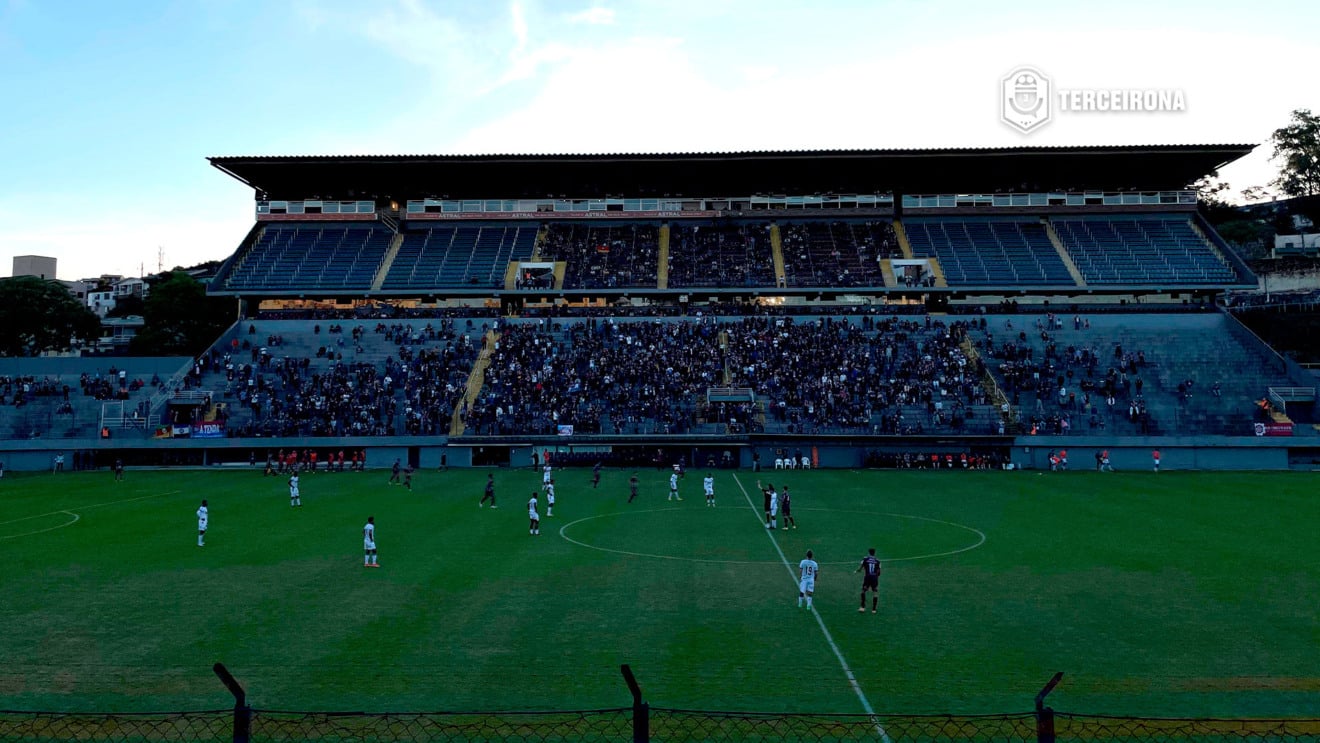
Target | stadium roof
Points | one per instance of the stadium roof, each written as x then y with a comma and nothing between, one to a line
716,174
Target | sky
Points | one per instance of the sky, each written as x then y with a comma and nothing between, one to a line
108,110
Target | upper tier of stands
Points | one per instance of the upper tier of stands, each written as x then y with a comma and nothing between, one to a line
312,256
837,253
989,252
720,254
459,256
604,255
1125,249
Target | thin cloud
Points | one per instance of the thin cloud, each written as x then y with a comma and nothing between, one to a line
594,16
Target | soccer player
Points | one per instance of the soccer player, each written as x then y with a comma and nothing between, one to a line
119,469
771,504
533,516
295,498
870,570
550,499
1155,455
394,473
407,478
369,544
808,569
673,487
546,472
203,515
595,476
489,494
786,508
632,487
709,485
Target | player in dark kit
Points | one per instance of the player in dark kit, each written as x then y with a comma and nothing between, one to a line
632,487
786,509
119,469
595,476
870,569
394,474
489,494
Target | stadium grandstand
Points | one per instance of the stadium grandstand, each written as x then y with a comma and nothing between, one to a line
854,304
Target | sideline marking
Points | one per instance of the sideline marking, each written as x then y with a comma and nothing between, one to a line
712,561
42,531
843,663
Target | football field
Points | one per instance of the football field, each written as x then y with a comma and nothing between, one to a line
1178,594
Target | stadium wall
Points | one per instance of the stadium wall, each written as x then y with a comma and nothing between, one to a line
1031,453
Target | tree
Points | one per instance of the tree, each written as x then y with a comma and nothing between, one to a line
39,315
129,304
1297,148
1211,202
180,319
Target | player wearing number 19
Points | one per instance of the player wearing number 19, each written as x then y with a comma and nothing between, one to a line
808,569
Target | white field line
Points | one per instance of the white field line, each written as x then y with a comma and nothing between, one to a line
843,662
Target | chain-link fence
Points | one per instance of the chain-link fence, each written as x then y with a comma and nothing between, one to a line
46,727
638,724
1074,727
456,727
684,725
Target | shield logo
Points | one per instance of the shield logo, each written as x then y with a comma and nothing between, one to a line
1024,99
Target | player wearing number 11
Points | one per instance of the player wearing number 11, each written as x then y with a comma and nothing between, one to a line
870,570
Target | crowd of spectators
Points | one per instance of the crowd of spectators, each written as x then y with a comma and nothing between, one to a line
720,254
637,377
839,254
414,389
1058,388
879,375
824,375
603,256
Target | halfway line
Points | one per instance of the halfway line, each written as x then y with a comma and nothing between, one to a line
843,663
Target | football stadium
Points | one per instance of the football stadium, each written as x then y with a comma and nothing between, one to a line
618,432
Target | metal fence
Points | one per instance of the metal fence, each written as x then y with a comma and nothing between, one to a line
638,723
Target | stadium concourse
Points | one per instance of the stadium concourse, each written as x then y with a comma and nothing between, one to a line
860,305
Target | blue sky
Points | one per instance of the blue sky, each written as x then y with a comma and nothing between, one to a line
110,108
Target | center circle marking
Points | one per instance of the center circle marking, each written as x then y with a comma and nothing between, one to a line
980,538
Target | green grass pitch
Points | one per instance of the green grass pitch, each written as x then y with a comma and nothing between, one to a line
1180,594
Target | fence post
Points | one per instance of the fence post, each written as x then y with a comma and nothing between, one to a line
1045,715
242,712
641,710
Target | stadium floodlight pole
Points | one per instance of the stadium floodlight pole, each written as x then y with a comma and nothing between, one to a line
641,710
242,712
1045,715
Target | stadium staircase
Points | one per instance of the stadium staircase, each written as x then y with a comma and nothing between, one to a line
903,244
887,271
1063,254
662,263
777,255
475,380
395,243
937,271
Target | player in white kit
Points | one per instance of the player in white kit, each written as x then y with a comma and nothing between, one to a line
545,474
808,569
295,499
369,544
673,487
203,515
709,485
550,499
535,517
